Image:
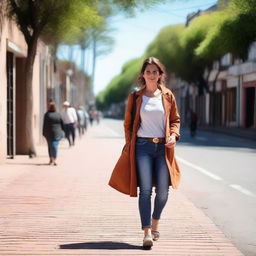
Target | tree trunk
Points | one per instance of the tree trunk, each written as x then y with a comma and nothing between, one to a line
94,56
31,53
201,85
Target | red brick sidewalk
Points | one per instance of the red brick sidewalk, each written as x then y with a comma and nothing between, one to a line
70,210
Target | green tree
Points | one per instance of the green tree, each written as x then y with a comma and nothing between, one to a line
56,21
99,38
194,34
47,19
167,47
234,31
102,43
119,87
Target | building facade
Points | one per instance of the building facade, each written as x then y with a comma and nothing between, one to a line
230,98
13,53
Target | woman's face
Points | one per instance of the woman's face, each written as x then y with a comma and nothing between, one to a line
151,74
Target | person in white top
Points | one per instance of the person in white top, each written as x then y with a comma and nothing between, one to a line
151,128
150,149
69,117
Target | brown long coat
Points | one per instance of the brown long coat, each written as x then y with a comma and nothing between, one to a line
124,175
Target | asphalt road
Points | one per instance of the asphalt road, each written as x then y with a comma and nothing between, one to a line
219,177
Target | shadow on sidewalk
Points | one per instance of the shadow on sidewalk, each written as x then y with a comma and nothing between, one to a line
107,245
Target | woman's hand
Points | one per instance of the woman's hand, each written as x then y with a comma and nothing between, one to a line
171,142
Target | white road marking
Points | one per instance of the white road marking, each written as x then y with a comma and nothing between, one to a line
198,168
216,177
242,190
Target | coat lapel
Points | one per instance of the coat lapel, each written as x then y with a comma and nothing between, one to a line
138,105
167,106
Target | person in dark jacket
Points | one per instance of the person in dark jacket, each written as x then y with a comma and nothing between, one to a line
53,130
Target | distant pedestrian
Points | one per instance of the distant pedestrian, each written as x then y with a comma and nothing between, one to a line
81,120
86,119
53,131
97,116
70,119
151,128
91,116
192,122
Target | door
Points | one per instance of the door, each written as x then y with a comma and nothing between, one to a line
250,101
10,105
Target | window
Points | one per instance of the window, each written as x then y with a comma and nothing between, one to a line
252,52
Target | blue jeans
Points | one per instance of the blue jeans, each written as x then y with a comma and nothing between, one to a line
151,170
53,147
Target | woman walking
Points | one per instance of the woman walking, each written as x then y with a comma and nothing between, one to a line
151,127
53,130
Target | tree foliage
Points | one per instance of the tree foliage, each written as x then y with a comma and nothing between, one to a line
119,87
53,20
167,47
187,51
69,26
234,31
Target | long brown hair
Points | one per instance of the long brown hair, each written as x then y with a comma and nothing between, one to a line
152,61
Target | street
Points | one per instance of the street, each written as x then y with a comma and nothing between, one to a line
69,209
218,176
65,65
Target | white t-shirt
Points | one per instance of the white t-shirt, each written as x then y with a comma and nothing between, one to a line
152,117
69,115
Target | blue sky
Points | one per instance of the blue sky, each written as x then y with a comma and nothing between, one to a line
133,35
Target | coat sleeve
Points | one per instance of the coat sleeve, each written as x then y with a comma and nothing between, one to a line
61,122
174,119
45,126
128,119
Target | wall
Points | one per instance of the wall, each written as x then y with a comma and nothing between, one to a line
12,40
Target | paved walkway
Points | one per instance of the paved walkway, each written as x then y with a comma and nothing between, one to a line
70,210
246,133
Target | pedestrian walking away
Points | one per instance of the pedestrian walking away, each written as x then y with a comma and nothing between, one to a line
70,119
192,118
81,120
53,131
151,126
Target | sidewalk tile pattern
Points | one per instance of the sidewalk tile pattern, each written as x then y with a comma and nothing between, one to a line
70,209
